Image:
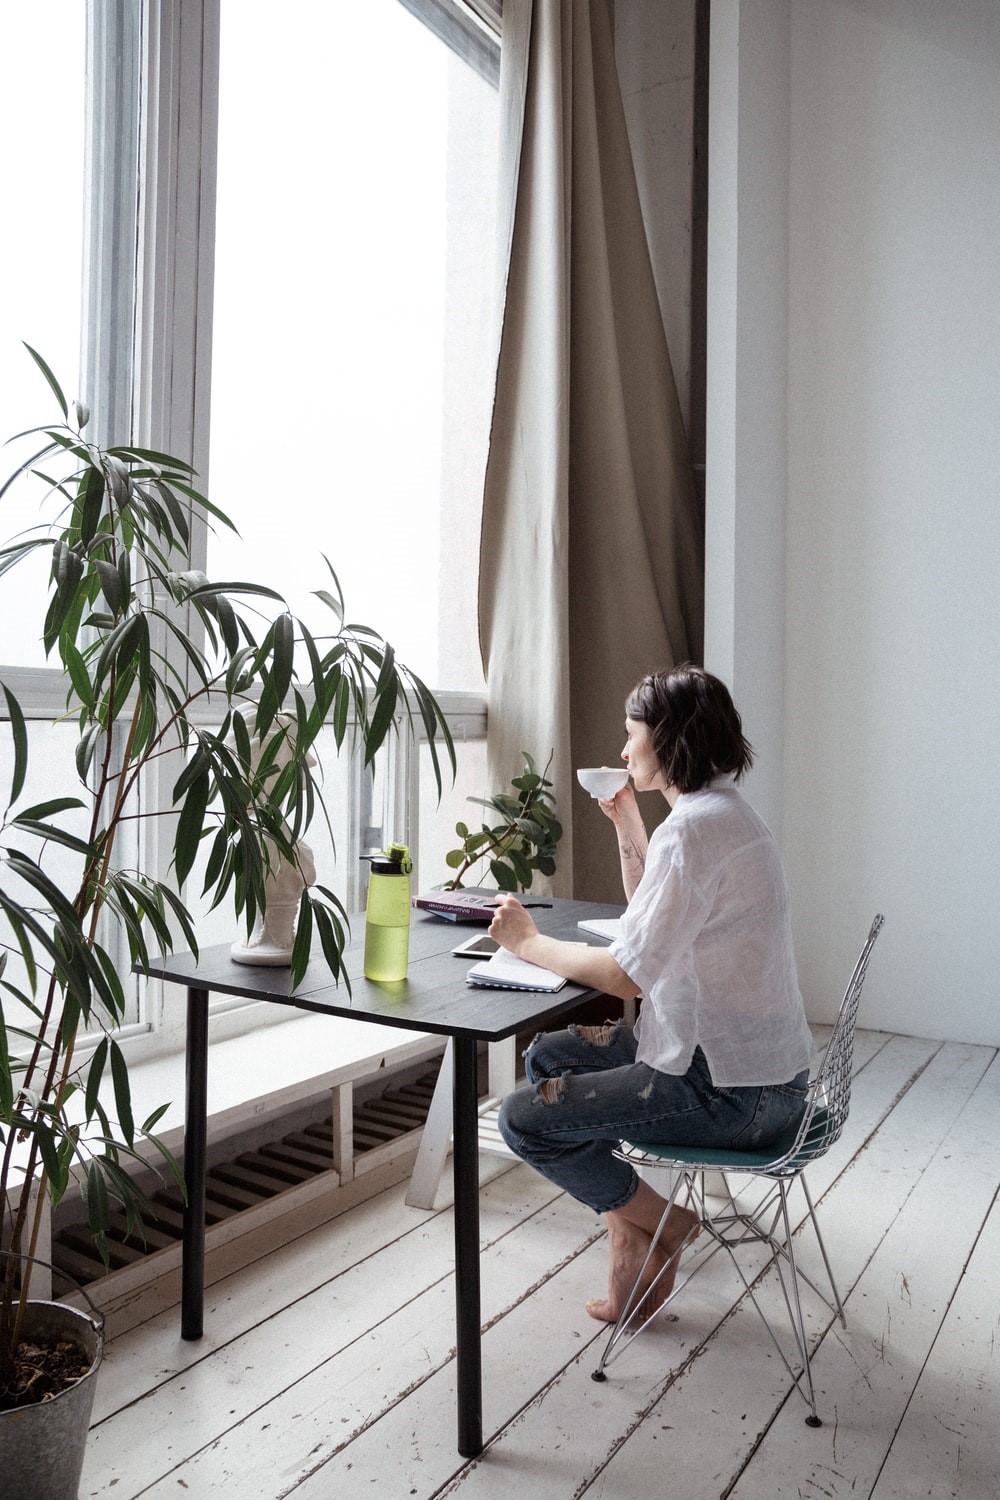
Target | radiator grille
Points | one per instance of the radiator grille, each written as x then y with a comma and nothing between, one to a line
250,1178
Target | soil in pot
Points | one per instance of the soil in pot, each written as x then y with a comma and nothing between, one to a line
44,1368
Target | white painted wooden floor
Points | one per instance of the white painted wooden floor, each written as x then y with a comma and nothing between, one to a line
326,1369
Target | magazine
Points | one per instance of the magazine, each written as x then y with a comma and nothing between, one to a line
472,905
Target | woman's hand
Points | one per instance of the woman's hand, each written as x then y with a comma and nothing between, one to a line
512,926
622,808
514,929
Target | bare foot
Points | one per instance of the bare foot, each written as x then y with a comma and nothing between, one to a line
629,1248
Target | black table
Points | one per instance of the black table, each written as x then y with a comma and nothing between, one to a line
434,997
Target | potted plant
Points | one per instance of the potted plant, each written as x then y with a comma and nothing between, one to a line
521,840
163,668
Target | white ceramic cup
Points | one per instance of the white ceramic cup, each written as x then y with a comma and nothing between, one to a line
602,781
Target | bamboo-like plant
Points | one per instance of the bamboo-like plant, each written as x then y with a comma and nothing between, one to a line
144,641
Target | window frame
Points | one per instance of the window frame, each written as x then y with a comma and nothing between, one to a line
471,28
147,359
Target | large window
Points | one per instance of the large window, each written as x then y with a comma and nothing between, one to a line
338,254
352,338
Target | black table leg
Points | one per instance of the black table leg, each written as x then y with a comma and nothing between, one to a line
468,1320
195,1133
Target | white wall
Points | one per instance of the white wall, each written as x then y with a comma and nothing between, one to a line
893,684
889,714
746,480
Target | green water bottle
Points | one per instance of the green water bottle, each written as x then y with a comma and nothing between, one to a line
387,917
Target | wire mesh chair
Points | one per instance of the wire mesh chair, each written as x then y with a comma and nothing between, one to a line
767,1221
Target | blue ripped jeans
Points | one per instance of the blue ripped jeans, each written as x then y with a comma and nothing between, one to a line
587,1093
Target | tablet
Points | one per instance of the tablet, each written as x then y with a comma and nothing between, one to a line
480,946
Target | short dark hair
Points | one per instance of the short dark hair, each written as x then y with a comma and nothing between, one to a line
696,730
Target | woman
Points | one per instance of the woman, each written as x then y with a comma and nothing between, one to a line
720,1053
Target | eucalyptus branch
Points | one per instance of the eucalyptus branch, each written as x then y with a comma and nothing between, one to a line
521,844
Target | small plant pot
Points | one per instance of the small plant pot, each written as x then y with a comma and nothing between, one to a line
42,1445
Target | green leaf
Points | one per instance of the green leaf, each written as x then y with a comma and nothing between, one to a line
333,926
190,826
19,732
341,710
46,1138
107,982
21,924
94,1075
111,585
53,834
183,917
78,675
16,552
334,601
85,748
123,1094
152,456
278,680
53,382
51,893
49,809
205,589
198,766
302,941
386,693
122,645
503,875
67,573
28,466
178,514
172,1163
95,1197
6,1073
90,503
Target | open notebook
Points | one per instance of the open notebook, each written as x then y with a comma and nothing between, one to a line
505,972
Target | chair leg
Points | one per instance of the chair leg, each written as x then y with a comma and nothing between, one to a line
798,1321
839,1306
768,1222
788,1279
633,1303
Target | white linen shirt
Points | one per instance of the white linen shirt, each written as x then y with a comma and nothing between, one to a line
707,938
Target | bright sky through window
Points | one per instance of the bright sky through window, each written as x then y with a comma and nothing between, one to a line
353,318
40,259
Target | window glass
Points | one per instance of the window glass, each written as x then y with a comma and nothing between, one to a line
352,339
438,818
42,75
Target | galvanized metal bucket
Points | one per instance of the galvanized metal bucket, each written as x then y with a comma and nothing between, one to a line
42,1446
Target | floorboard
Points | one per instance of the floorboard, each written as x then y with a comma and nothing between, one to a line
327,1367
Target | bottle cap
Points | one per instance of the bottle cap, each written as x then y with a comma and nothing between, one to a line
392,861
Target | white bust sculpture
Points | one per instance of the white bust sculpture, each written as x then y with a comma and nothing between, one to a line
270,943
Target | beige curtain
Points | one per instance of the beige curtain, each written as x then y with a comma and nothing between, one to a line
591,559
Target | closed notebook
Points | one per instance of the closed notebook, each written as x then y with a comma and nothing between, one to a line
506,972
605,927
